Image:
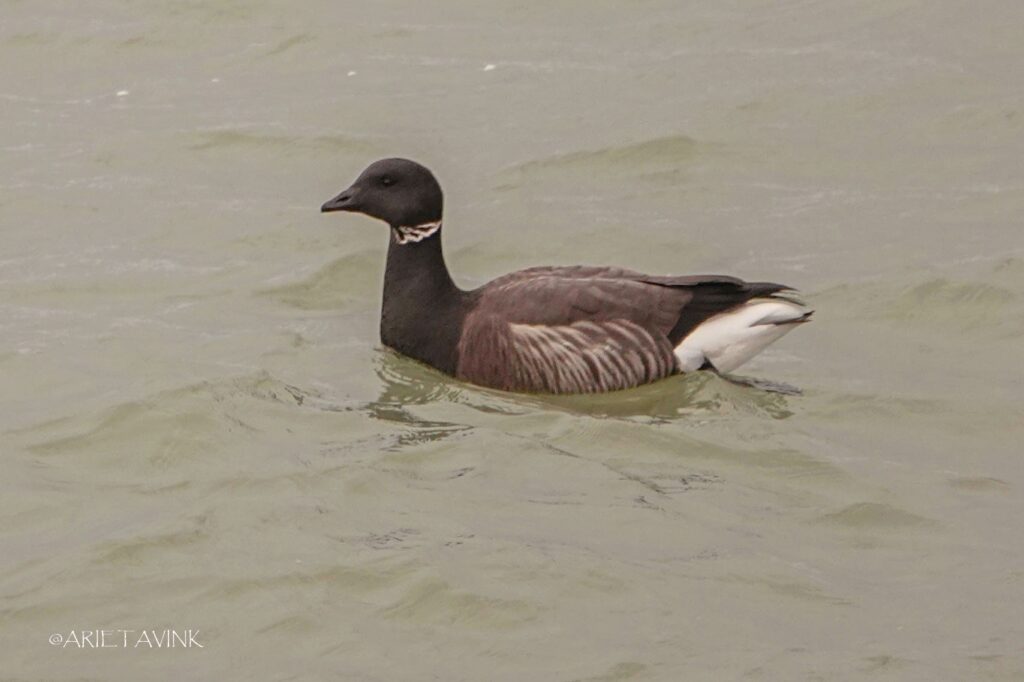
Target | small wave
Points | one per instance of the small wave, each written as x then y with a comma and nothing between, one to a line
235,138
875,516
967,306
289,43
789,588
349,278
171,436
432,600
658,155
980,484
365,579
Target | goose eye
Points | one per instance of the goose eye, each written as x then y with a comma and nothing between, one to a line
387,181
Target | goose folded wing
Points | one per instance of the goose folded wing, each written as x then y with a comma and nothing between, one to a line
671,305
563,295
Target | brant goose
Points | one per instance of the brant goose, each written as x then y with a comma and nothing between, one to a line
576,329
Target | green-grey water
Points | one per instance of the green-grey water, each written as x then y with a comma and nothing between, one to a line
200,430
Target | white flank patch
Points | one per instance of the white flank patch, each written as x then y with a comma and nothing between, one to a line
731,338
415,233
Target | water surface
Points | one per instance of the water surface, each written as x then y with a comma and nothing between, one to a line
200,430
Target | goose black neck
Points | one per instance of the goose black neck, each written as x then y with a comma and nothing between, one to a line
417,269
422,308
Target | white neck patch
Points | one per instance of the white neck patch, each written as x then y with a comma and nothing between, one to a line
415,233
